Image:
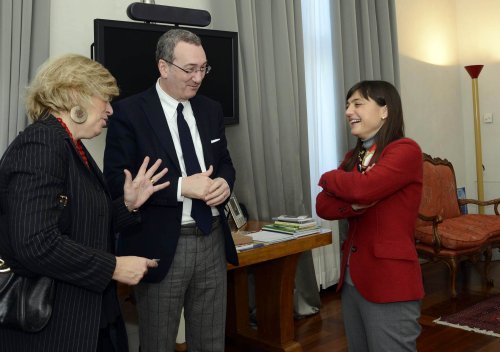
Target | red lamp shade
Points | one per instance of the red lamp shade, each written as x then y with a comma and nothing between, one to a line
474,70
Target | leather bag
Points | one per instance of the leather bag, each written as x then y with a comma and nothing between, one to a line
25,302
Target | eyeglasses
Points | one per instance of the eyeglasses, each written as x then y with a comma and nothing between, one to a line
204,70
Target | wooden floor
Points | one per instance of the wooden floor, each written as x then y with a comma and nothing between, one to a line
325,332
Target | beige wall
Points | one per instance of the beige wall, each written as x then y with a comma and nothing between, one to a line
436,39
478,31
430,78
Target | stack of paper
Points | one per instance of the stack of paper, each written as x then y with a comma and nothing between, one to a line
270,237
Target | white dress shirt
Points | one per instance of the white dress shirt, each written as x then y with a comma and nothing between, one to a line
169,106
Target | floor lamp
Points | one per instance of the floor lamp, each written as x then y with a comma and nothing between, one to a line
474,71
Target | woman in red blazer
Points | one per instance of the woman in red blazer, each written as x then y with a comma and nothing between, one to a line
377,188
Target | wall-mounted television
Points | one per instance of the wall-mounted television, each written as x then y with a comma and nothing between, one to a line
127,50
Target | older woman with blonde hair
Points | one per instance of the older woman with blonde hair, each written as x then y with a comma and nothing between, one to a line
56,215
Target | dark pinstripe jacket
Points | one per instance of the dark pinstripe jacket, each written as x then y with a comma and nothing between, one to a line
76,249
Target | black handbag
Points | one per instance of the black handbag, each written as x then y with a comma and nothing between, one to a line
25,302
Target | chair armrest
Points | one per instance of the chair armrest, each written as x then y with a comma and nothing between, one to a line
465,201
433,218
495,202
436,238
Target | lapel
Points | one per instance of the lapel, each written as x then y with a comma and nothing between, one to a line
154,113
94,172
53,123
203,124
94,169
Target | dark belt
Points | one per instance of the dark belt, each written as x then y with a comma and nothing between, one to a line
192,229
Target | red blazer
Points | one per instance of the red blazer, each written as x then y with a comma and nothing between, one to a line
383,263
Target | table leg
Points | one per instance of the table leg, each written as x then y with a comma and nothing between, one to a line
237,318
274,286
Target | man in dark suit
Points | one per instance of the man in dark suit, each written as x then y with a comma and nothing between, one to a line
184,225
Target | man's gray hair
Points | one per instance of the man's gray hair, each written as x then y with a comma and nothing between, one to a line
168,41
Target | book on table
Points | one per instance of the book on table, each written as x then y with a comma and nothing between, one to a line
293,231
296,225
301,219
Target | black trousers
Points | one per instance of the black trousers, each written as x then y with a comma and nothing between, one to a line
113,338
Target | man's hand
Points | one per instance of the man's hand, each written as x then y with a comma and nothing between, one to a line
218,192
197,186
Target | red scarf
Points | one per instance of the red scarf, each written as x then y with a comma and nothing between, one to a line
78,144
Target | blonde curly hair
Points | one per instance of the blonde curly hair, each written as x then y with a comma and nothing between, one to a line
68,81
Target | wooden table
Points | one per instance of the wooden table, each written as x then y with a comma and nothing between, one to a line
274,269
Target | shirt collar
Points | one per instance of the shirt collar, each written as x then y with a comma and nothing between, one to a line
367,143
169,103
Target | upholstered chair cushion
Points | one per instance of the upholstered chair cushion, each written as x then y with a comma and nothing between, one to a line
462,232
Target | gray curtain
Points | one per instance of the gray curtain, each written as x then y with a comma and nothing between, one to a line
24,45
365,40
269,147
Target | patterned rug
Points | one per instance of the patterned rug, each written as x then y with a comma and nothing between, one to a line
483,317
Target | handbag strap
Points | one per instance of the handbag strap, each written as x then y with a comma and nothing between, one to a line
3,267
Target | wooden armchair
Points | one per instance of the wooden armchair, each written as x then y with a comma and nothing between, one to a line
444,234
